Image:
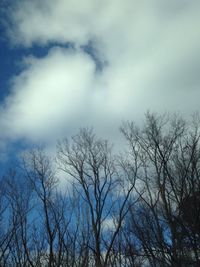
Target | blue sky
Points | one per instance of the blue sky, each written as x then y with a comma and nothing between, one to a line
70,64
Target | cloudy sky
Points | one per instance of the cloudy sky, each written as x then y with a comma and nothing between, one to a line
67,64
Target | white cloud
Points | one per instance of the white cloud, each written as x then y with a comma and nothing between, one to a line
48,94
151,48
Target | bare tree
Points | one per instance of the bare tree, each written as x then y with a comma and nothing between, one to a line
19,197
90,162
138,208
169,156
8,223
38,170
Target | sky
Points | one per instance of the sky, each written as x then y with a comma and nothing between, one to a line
68,64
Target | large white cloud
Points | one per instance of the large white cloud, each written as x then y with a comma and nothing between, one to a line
151,50
48,94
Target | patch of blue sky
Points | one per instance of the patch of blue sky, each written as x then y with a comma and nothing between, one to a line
92,51
11,57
